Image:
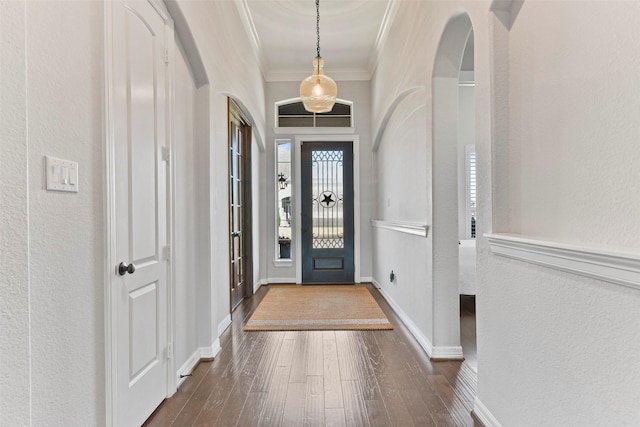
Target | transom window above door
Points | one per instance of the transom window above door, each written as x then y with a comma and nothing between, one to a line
291,114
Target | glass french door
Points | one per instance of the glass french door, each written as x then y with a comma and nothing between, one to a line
327,212
239,206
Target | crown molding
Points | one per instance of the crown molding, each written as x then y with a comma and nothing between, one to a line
252,34
383,33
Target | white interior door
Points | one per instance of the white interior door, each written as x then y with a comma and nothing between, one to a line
140,224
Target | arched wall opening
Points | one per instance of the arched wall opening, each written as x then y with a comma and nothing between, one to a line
446,79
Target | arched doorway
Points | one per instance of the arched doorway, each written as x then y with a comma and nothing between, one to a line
446,227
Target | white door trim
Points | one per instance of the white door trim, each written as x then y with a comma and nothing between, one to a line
355,140
172,380
110,344
110,321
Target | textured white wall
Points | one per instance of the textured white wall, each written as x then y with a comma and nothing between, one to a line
403,173
564,159
15,373
403,164
573,104
203,148
416,33
190,204
64,107
258,190
232,70
52,86
52,243
574,110
358,92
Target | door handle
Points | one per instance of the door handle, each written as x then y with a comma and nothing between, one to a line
123,268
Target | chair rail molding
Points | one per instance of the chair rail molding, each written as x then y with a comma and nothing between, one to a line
619,267
408,227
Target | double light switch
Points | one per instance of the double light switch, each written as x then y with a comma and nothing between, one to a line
62,175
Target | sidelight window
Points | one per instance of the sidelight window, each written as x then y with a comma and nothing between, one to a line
284,190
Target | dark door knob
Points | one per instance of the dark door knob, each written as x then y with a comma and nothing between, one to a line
123,268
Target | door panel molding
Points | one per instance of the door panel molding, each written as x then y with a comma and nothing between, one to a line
297,212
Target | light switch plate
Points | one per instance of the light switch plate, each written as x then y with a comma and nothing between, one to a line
62,175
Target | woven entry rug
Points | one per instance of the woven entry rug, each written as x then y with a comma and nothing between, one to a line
325,307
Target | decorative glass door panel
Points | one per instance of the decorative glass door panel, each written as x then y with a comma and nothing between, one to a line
327,212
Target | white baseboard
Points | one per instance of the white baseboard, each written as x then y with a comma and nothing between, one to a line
434,352
200,353
187,367
222,326
281,280
404,318
258,284
366,280
484,415
447,353
212,351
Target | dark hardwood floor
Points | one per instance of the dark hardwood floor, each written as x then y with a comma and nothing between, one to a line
321,378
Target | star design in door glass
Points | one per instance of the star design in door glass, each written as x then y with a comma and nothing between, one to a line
328,199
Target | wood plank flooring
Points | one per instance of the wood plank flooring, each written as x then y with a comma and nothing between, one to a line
321,378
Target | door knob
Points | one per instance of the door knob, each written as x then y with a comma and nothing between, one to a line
123,268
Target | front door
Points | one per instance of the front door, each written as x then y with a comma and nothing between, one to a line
139,214
327,212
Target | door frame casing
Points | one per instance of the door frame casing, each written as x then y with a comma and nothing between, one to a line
297,202
235,111
111,260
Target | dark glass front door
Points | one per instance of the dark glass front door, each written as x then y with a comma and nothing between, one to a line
327,212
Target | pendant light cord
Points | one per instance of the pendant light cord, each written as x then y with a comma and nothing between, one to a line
318,28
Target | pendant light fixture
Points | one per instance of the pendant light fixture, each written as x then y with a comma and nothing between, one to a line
318,92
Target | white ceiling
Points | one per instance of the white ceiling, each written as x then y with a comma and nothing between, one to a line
283,33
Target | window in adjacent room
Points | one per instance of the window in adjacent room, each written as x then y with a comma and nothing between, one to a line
470,169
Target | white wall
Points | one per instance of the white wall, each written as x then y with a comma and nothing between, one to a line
358,92
191,253
403,194
54,83
15,373
232,70
52,243
563,121
573,129
417,28
579,156
258,188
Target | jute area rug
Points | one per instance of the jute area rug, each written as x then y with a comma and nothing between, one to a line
325,307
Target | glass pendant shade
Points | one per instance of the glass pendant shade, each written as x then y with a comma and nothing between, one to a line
318,92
